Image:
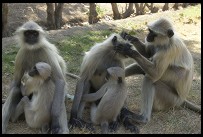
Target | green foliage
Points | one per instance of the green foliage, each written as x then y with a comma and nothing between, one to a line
100,11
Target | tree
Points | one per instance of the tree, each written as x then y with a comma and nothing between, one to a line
54,15
165,7
93,15
175,6
116,14
139,8
4,19
152,7
50,16
58,14
129,11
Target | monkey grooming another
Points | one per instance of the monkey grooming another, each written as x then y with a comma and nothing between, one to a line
34,48
38,109
169,73
93,72
113,95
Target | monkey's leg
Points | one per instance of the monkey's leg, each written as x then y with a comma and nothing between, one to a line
81,108
58,100
18,111
63,121
9,106
82,86
104,127
133,69
45,128
148,92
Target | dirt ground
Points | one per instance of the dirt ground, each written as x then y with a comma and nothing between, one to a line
173,121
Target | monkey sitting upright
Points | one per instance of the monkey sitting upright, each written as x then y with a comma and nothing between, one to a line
169,72
38,109
113,95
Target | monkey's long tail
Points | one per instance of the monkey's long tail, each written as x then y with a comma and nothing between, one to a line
191,106
72,75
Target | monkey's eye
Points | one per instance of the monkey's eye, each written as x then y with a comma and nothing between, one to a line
31,32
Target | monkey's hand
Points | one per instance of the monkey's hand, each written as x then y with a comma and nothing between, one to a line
128,37
125,50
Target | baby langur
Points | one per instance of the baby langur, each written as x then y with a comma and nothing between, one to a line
38,109
113,95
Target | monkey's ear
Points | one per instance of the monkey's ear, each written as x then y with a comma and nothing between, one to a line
170,33
114,40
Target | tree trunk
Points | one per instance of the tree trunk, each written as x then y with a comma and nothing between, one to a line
153,8
116,14
129,11
165,7
93,14
4,19
50,16
58,15
176,6
139,8
185,5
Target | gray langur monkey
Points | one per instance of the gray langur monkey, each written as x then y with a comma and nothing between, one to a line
93,72
37,110
34,47
112,94
169,72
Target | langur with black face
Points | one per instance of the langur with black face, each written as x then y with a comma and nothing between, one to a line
35,48
112,94
93,72
37,110
168,72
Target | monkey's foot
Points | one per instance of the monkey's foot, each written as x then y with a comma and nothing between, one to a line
129,126
138,118
81,124
113,126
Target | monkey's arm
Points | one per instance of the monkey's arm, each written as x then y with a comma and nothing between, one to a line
153,69
133,69
95,96
58,99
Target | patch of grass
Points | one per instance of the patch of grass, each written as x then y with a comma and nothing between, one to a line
190,14
8,58
73,48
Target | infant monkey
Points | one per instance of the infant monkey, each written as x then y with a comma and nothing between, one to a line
38,109
113,95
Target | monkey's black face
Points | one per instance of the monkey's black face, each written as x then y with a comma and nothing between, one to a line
33,72
151,36
31,37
